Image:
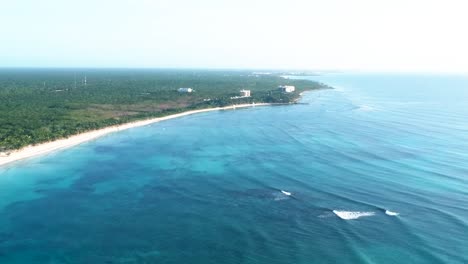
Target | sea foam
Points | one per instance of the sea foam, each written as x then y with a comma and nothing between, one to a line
350,215
391,213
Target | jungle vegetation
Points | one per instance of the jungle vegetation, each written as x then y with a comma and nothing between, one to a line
39,105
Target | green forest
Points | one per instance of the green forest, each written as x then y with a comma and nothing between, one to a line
39,105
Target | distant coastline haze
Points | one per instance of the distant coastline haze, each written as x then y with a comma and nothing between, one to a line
359,35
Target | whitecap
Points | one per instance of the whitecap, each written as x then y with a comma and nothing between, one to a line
286,193
279,197
349,215
391,213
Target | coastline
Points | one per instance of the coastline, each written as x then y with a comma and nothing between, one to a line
47,147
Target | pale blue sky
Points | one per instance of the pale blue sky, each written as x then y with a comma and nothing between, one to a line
398,35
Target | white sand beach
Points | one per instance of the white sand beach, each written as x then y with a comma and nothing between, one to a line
44,148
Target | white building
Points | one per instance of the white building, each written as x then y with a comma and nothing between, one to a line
286,88
245,93
185,90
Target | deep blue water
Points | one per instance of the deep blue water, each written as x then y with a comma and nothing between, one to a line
207,188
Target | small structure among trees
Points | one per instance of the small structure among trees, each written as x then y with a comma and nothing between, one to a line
185,90
245,93
286,88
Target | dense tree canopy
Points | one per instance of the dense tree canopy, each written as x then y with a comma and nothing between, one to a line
38,105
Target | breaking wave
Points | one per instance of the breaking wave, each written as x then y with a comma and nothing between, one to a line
350,215
387,212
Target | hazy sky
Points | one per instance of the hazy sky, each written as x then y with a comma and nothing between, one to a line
393,35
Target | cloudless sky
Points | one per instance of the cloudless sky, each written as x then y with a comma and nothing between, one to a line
393,35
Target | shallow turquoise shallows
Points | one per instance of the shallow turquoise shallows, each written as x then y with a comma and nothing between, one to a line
374,171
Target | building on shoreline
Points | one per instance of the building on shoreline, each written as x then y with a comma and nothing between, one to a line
286,88
245,93
185,90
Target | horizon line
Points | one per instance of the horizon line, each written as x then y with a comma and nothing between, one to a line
276,70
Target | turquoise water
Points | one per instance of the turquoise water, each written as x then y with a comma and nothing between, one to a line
377,170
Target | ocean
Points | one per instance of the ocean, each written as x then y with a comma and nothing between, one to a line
373,171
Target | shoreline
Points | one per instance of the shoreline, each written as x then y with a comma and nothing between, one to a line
48,147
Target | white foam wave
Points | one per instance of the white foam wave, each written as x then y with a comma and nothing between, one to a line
280,198
277,196
391,213
350,215
286,193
